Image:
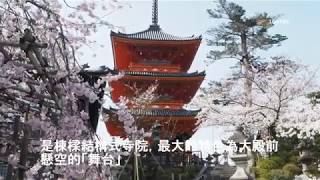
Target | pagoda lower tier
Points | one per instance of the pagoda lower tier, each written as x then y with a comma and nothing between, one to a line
174,124
174,90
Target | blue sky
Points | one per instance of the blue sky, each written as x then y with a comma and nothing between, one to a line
300,21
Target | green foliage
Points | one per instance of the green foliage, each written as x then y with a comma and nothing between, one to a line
315,97
239,36
264,166
315,148
313,169
278,174
291,169
285,163
282,165
270,163
276,169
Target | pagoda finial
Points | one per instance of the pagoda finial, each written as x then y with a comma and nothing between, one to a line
155,13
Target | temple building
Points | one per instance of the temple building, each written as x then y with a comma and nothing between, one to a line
152,57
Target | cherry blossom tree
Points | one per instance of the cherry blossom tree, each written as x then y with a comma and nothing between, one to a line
280,103
259,96
39,73
142,98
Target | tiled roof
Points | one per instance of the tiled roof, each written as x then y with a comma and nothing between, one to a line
224,170
159,112
104,71
154,33
100,71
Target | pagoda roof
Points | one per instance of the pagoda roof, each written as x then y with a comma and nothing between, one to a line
105,71
224,170
100,71
154,32
159,112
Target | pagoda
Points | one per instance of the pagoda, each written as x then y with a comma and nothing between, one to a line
154,56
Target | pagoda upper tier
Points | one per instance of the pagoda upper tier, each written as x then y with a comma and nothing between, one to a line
153,50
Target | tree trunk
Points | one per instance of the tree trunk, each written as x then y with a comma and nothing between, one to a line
247,67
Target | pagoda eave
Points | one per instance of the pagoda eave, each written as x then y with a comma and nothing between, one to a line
157,112
104,71
173,123
160,78
153,37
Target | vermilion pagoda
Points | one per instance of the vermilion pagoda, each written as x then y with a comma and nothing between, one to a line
153,56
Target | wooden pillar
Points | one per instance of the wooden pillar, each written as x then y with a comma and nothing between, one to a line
23,152
15,139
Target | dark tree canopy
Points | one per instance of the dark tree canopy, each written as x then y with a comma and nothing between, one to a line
239,36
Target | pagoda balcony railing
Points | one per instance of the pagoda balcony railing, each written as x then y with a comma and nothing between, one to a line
154,67
161,74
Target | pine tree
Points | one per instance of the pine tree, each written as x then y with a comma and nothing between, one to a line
239,37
